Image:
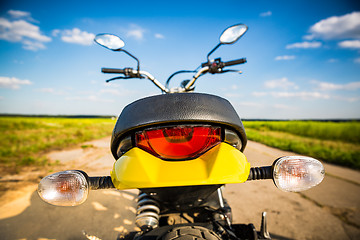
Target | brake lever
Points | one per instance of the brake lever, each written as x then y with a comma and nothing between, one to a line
116,78
232,70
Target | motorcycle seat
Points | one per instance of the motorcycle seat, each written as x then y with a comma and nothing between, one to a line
176,108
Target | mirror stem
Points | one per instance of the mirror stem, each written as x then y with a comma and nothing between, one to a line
137,60
216,47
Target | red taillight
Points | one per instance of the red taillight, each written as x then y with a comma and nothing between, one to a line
180,142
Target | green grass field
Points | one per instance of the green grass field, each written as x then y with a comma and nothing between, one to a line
333,142
24,140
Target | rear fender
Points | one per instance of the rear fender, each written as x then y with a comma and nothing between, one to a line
220,165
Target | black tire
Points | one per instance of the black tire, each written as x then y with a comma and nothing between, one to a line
190,233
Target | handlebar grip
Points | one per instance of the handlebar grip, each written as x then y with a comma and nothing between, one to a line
112,70
235,62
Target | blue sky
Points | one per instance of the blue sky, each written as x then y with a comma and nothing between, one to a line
303,56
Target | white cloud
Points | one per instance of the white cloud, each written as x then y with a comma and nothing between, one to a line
16,31
351,99
56,32
18,14
21,14
283,83
18,61
51,91
250,104
22,31
233,95
282,106
91,98
46,90
326,86
337,27
117,89
234,87
33,45
357,60
302,95
12,82
259,94
159,36
76,36
354,44
110,91
347,98
266,14
136,32
305,44
333,60
285,57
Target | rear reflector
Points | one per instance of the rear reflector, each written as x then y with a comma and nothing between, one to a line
178,142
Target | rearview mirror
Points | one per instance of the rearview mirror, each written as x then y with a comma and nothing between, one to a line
233,33
109,41
229,36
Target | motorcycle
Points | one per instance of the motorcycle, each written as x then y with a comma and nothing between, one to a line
179,149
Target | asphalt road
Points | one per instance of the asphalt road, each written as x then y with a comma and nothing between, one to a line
328,211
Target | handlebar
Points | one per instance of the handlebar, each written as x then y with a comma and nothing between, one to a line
112,70
131,73
234,62
215,66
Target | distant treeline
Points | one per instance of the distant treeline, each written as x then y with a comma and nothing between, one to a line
113,116
304,120
57,116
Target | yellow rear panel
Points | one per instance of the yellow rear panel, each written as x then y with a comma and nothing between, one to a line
220,165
